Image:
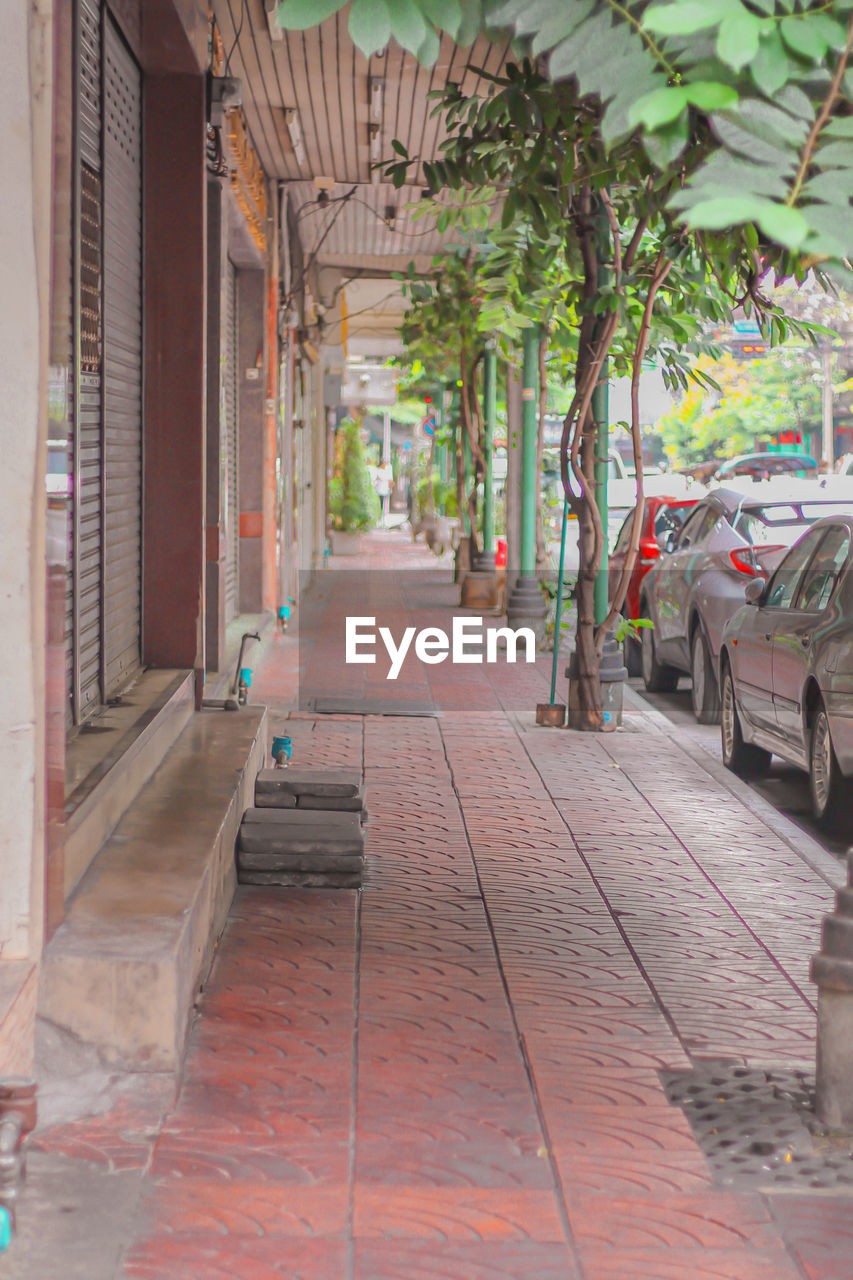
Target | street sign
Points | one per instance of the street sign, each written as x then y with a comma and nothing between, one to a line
428,425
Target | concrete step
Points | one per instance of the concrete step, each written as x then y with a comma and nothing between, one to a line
312,782
304,820
320,861
123,969
143,730
276,838
303,879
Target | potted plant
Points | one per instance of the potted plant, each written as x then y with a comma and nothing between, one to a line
353,504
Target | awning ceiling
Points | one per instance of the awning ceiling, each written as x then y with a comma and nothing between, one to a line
348,111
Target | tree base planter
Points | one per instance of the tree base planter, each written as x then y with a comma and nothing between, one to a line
344,543
526,607
612,676
479,590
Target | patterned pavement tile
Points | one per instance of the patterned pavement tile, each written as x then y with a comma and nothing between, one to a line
414,1260
430,1079
241,1208
454,1213
679,1264
715,1221
163,1257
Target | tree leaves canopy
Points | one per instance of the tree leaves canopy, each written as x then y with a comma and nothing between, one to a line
769,82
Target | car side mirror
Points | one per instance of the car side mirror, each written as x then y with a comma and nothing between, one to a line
754,592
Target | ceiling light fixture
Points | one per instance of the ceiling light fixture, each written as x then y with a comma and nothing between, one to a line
294,128
376,88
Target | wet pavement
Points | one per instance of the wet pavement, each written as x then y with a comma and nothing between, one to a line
459,1073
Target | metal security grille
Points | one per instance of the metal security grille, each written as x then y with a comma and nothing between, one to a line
122,144
230,428
85,525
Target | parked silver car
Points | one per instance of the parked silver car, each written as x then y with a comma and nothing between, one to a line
730,536
786,670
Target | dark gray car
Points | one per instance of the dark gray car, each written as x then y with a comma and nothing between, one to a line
730,537
786,670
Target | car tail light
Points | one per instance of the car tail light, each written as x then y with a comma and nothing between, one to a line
649,551
745,560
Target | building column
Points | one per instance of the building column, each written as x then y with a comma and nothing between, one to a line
486,560
26,98
251,406
526,604
217,239
175,212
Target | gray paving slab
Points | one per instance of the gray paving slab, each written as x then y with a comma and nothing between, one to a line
314,782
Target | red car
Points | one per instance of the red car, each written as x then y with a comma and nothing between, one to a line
662,517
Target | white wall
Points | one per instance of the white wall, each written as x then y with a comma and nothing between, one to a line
25,106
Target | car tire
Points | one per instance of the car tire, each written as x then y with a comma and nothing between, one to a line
831,792
704,694
658,677
741,757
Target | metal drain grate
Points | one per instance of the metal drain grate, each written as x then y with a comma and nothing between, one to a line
757,1128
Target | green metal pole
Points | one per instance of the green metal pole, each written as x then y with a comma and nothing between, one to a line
559,604
529,478
468,468
440,449
490,413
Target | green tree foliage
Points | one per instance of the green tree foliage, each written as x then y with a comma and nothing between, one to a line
353,504
755,401
765,85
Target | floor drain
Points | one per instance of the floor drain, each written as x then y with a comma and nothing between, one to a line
757,1128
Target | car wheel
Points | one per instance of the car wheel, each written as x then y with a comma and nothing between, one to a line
832,793
704,694
657,676
739,756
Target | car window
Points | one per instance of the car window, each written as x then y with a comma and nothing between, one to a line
669,519
700,523
786,579
822,574
760,531
622,540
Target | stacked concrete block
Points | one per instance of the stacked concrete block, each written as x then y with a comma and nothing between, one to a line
305,830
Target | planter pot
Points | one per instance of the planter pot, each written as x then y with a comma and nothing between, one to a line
612,676
479,590
345,543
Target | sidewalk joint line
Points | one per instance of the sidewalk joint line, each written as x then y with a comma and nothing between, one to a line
559,1188
664,1011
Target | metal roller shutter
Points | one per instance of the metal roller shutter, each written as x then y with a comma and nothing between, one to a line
231,507
122,361
87,452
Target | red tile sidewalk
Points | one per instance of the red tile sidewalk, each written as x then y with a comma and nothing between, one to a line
453,1075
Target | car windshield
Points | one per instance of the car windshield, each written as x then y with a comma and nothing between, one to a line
780,524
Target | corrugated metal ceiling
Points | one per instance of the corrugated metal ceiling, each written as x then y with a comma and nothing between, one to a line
321,75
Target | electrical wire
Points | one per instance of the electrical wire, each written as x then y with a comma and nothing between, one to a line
238,32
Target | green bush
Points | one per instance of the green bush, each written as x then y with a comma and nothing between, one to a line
353,504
